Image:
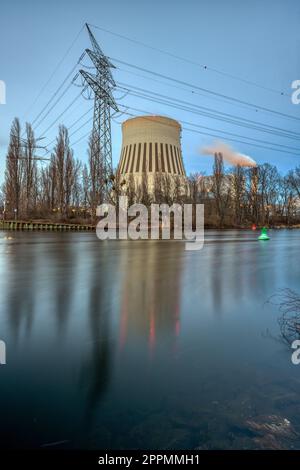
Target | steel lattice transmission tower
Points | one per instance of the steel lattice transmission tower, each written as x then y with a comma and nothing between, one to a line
102,85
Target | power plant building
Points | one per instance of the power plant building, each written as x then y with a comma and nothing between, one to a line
151,145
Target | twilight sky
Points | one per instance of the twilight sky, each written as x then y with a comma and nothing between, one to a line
257,41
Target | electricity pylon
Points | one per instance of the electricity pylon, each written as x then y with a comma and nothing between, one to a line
25,143
102,84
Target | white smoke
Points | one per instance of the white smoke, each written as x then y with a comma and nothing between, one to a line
229,154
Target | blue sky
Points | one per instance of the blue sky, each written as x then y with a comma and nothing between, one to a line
258,41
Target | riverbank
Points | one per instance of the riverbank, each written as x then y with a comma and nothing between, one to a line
59,226
42,225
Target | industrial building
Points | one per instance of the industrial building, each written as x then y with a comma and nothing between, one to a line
151,145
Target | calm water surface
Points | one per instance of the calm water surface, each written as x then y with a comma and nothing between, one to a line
143,344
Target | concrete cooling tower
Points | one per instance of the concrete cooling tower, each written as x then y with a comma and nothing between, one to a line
151,145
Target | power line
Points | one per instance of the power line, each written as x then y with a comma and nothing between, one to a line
225,132
242,136
218,136
83,125
62,113
70,127
211,92
53,96
205,108
80,139
185,106
79,119
225,117
259,141
270,145
189,61
89,132
193,92
242,142
53,73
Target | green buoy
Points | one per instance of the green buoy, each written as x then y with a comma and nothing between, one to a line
263,235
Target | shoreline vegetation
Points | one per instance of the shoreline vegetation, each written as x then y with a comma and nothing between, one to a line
66,192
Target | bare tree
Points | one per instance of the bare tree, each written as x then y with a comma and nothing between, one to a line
65,172
13,172
198,190
268,179
220,188
45,198
143,194
30,178
86,184
253,200
131,190
238,194
294,180
158,192
167,189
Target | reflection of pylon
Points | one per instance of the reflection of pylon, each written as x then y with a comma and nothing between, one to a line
102,84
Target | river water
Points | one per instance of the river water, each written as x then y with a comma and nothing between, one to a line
143,345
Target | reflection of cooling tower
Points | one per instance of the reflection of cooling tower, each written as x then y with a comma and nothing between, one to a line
151,145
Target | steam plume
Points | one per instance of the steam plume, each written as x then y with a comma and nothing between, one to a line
229,154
